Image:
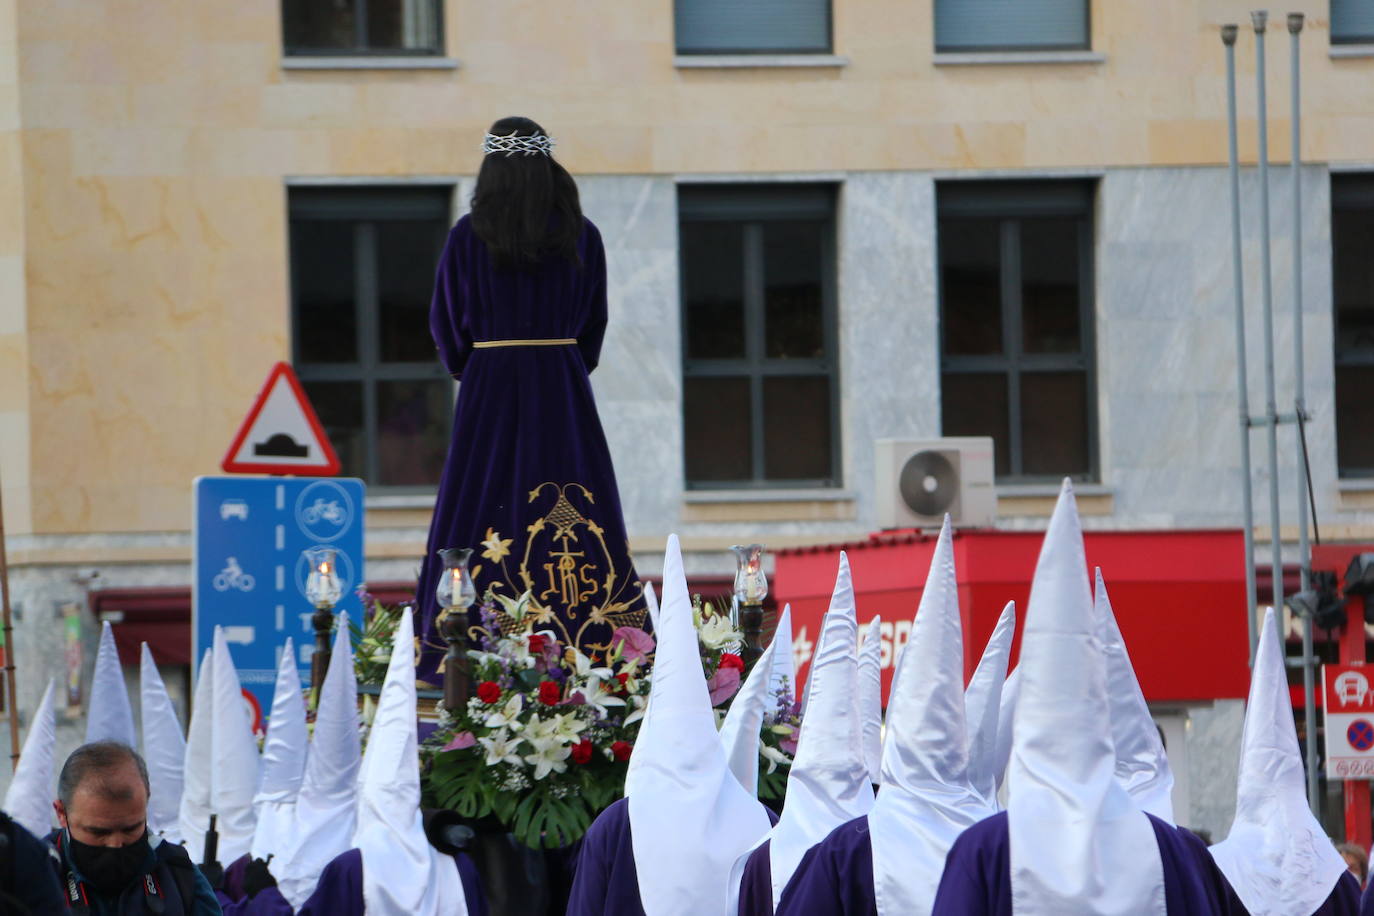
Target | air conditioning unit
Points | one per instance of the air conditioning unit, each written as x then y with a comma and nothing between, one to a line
919,480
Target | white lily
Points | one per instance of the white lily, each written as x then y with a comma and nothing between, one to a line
508,716
568,726
500,747
597,698
585,669
640,704
716,632
549,754
773,756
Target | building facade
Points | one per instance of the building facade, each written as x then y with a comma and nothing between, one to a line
827,223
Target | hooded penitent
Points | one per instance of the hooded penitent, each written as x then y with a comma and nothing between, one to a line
29,797
1277,857
739,733
326,805
690,818
871,698
1006,717
234,767
784,662
283,760
402,872
926,799
194,816
164,750
983,704
1079,844
1142,767
108,714
829,783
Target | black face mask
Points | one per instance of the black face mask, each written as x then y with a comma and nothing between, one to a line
109,869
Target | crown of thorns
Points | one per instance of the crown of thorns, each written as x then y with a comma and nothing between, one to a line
513,143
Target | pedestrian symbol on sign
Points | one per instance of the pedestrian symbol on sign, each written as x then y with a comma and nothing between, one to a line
1360,734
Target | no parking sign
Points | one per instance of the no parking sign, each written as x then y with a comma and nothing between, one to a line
1349,702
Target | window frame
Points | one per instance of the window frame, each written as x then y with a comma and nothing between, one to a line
1086,45
360,49
828,49
752,206
1349,191
365,206
1009,202
1336,38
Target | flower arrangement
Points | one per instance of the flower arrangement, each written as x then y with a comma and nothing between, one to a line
544,743
778,743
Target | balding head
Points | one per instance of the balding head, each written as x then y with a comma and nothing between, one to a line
102,794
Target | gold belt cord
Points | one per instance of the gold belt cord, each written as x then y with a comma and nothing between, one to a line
530,342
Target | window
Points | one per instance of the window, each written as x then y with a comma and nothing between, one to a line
362,275
758,332
1352,281
313,27
752,26
1015,25
1016,324
1352,22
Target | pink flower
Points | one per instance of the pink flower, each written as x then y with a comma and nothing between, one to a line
723,685
634,643
788,745
460,741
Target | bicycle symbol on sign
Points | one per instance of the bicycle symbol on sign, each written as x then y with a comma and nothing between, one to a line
233,576
326,510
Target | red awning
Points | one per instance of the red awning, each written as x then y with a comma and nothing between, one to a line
161,617
1179,597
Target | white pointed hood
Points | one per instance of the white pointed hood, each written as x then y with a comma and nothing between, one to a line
739,733
326,806
194,816
983,706
690,819
784,662
402,872
1141,763
651,602
871,698
283,759
108,714
234,769
926,800
1079,844
164,750
1006,718
1276,857
828,784
30,795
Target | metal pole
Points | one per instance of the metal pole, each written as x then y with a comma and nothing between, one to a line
1228,38
1260,19
1295,21
8,628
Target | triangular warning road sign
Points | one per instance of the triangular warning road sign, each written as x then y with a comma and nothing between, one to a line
281,435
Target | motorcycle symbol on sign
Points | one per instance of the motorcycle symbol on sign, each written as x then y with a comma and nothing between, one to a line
326,510
233,576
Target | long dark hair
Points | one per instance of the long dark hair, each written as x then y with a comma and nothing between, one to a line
525,206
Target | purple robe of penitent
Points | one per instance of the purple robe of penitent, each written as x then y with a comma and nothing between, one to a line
836,876
528,482
234,900
340,888
605,882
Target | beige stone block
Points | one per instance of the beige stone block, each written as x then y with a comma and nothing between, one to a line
248,21
306,100
13,295
238,63
152,152
48,105
18,510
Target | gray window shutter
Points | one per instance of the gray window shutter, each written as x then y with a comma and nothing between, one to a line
1352,21
978,25
752,26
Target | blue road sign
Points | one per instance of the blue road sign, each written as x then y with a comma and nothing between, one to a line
248,536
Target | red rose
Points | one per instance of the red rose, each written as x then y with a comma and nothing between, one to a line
488,691
550,693
731,660
621,750
582,751
537,642
621,678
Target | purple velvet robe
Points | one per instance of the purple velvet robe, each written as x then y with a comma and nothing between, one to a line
605,882
756,884
977,876
1367,901
234,901
834,878
528,481
340,888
